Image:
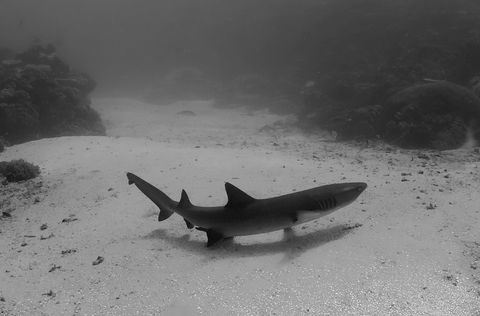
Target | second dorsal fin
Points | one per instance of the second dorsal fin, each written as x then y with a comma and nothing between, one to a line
184,200
236,197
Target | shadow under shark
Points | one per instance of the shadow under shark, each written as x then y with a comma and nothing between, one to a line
244,215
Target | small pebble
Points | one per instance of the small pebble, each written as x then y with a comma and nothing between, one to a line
98,261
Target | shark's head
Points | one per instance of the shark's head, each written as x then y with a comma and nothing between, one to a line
334,196
330,198
346,193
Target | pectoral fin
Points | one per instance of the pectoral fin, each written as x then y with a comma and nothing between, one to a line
189,225
213,236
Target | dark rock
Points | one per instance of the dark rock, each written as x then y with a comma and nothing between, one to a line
434,115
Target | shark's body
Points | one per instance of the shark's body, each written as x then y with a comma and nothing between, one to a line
245,215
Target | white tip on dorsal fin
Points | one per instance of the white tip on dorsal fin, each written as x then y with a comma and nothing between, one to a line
236,197
184,200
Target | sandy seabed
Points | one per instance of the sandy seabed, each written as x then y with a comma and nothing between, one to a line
410,244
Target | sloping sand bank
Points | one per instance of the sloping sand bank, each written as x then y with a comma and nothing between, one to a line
408,246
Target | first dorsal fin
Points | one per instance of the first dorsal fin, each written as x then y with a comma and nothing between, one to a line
184,200
236,197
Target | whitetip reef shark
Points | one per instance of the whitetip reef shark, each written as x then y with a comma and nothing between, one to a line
245,215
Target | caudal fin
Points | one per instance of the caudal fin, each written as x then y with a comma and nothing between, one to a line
164,203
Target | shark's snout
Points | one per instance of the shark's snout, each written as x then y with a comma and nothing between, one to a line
357,187
348,192
361,186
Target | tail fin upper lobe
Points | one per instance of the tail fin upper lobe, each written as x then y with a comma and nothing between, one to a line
164,203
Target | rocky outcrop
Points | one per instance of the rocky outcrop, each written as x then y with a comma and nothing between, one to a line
41,96
436,115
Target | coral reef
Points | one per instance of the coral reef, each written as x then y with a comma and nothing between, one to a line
41,96
18,170
363,122
437,115
434,115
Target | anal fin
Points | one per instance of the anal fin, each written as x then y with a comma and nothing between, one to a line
212,235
